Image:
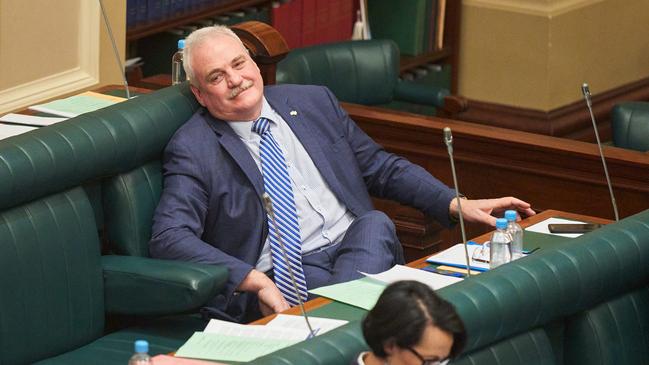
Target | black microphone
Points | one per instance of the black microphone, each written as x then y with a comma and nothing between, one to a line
448,139
268,205
586,91
115,51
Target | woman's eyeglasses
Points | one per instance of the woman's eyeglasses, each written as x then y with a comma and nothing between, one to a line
427,361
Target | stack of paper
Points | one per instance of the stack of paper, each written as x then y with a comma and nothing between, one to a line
77,104
227,341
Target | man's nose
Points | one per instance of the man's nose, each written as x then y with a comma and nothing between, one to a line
233,78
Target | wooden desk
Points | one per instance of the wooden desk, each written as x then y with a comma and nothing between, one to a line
421,262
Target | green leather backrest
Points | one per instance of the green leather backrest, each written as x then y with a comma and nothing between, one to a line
51,290
630,125
334,347
554,283
529,348
363,72
129,201
109,141
614,332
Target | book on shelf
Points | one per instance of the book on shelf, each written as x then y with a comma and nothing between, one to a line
441,19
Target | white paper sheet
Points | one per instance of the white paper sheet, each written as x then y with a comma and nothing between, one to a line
542,227
9,130
255,331
31,120
400,272
319,325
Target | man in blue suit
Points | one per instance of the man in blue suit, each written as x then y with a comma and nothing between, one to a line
211,209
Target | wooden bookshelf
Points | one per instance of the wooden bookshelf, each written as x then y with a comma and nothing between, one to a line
141,31
449,54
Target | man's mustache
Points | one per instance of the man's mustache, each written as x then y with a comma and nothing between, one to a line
245,85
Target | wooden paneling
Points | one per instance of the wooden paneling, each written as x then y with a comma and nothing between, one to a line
570,121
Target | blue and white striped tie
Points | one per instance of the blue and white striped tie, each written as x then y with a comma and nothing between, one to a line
277,184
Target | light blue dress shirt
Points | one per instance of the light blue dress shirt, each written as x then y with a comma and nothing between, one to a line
323,218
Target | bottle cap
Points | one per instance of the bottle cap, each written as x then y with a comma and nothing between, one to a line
501,223
181,44
141,346
510,215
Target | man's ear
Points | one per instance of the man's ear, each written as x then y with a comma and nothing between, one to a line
197,93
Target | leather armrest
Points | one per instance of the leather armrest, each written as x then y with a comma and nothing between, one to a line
430,95
144,286
420,93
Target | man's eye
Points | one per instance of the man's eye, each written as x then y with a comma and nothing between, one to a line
216,78
239,64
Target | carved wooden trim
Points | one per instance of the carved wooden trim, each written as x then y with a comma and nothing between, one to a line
266,45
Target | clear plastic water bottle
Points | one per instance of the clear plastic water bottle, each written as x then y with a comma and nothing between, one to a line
177,70
141,355
500,252
516,233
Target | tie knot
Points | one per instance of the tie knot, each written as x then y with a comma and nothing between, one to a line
261,126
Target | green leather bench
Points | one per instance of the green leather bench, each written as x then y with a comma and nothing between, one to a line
65,190
582,302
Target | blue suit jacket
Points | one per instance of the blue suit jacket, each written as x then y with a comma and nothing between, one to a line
211,208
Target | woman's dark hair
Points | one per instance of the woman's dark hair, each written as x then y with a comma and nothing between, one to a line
402,313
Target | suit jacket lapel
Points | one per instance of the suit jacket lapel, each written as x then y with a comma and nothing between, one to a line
237,149
294,117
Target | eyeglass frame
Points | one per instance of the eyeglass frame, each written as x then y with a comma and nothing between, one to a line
425,361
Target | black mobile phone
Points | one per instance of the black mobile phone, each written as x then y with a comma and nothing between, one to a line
573,227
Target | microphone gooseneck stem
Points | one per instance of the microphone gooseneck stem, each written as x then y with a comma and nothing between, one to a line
268,205
115,51
448,139
586,91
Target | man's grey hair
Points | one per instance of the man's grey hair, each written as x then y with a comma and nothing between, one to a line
196,38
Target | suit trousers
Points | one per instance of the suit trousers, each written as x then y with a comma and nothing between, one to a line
370,245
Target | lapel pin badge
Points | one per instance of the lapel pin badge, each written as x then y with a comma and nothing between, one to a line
293,113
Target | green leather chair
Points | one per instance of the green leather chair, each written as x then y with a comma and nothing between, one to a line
630,125
365,72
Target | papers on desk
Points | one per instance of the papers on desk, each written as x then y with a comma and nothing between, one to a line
400,272
456,257
30,120
9,130
77,104
365,292
542,227
319,325
227,341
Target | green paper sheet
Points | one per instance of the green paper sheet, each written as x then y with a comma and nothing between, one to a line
363,293
214,346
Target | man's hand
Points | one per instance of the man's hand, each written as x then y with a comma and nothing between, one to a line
270,298
481,210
